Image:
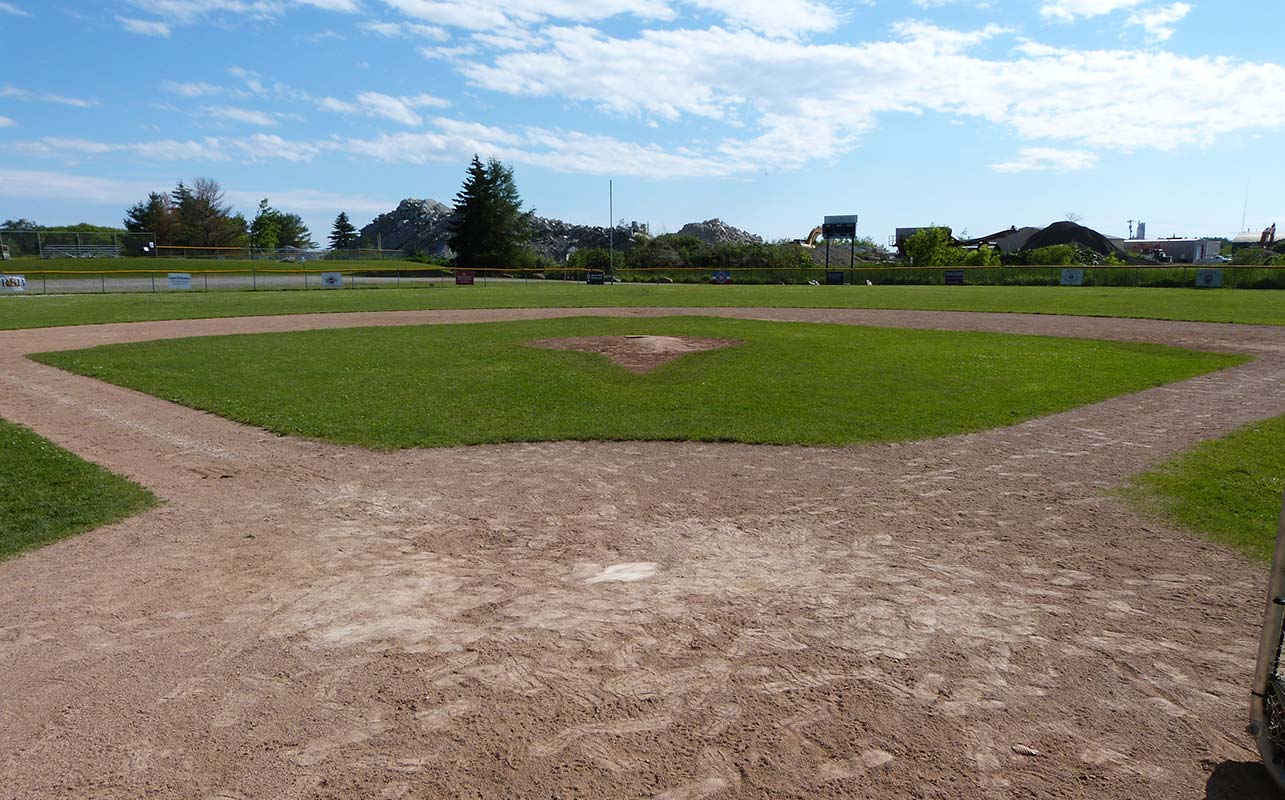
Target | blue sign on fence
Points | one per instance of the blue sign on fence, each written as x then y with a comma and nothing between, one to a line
721,277
180,280
1072,277
332,280
596,278
954,277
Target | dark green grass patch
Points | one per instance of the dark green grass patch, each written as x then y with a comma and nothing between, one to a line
47,494
788,383
1228,489
1224,305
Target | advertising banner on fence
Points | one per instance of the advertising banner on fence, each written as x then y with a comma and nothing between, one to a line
464,277
13,283
180,280
721,277
1072,277
332,280
1209,278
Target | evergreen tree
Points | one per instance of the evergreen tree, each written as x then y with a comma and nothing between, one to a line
155,215
344,235
292,232
265,230
489,228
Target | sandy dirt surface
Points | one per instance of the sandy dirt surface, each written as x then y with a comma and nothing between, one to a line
638,353
610,620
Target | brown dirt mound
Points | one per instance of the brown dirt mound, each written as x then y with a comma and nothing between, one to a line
639,353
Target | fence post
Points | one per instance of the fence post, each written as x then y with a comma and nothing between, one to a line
102,276
254,281
153,283
206,275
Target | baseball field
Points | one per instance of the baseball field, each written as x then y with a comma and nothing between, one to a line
654,541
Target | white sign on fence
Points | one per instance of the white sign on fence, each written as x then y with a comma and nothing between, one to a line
13,283
332,280
180,280
1072,277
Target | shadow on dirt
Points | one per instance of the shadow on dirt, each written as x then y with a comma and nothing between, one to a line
1241,780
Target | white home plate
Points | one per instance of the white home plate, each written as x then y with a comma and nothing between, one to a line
635,571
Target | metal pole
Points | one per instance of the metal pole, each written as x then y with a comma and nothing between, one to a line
206,275
103,278
254,281
611,227
827,254
852,259
40,248
153,276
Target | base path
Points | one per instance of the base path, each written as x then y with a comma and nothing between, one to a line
974,616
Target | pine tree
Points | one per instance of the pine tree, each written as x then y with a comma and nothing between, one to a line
265,230
344,235
489,228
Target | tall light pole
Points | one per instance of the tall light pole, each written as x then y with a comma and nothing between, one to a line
611,227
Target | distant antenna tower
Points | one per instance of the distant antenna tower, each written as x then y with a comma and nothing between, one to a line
1130,229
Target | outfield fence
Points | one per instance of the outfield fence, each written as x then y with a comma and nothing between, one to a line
15,279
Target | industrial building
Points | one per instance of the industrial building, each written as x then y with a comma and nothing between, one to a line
1177,249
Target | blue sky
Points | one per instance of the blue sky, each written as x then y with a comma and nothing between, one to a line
767,113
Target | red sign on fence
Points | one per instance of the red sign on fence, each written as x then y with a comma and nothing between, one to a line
464,277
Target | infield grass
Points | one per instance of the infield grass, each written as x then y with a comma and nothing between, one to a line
1227,489
47,493
1263,307
788,383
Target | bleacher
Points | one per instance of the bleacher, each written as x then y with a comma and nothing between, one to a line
81,251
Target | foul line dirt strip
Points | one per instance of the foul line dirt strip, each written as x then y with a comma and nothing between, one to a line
671,620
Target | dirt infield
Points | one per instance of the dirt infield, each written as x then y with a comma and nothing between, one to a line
964,617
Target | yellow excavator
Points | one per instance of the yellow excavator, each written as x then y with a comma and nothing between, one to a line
811,241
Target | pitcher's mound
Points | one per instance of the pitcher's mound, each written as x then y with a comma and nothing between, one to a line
637,354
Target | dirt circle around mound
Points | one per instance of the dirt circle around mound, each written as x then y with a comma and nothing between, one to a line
638,353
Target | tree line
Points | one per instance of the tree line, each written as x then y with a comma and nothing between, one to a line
198,215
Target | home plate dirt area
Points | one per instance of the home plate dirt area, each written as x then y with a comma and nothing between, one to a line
976,616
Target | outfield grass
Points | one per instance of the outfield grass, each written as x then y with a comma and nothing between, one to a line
788,383
47,494
1228,489
1263,307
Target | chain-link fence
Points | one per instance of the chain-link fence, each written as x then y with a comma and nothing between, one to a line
160,274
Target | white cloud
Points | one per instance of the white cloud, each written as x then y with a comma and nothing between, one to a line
26,95
196,89
408,30
377,104
1048,158
243,115
774,17
10,8
1068,10
144,27
503,14
805,102
1159,22
37,184
5,122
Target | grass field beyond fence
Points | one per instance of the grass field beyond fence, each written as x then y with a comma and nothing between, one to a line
787,383
1225,305
47,493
